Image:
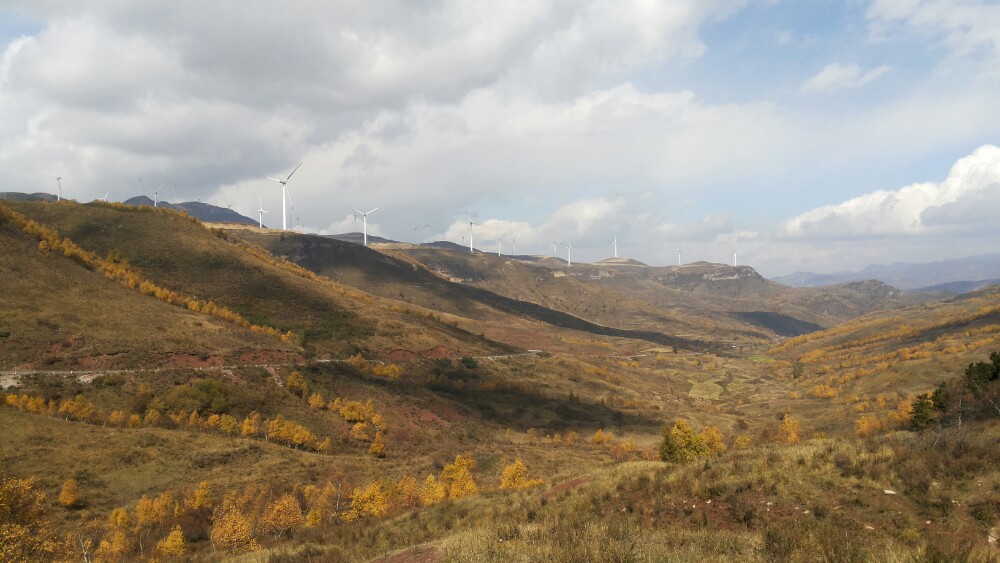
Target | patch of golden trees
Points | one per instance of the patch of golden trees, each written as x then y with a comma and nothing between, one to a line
80,409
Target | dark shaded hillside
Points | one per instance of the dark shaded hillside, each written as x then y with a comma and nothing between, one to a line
782,325
385,275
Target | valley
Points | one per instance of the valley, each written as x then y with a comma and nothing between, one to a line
290,397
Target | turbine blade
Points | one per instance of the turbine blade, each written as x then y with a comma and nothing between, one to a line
275,179
293,172
372,211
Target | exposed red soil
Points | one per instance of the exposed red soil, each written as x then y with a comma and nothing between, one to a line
104,361
437,352
192,361
565,486
417,554
267,357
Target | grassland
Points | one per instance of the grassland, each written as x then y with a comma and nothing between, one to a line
126,435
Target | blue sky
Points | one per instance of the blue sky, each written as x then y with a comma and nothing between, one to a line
810,135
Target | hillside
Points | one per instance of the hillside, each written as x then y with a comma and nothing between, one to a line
520,319
379,405
205,212
182,256
698,298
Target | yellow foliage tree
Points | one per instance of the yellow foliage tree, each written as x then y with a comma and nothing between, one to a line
432,491
515,476
251,424
117,542
316,401
232,533
377,448
867,425
368,501
360,431
173,546
600,438
713,440
282,516
202,496
23,523
457,477
69,496
789,431
407,493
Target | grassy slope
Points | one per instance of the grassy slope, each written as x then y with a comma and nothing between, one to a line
182,255
61,315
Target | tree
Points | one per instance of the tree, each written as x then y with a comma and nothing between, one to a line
713,440
432,491
117,542
282,516
922,415
316,401
789,431
457,477
69,497
367,501
251,424
867,425
23,523
377,448
515,476
681,444
173,545
297,384
232,533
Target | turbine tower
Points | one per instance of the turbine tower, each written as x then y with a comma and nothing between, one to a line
59,183
734,257
555,253
260,213
569,254
155,192
284,196
498,247
615,244
364,220
471,224
678,256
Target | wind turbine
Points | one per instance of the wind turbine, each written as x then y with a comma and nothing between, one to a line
471,224
569,254
105,198
555,252
364,220
59,183
155,193
498,247
229,205
734,257
615,244
140,184
678,256
260,213
284,196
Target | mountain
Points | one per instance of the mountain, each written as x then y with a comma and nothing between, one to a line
18,196
202,211
359,238
908,276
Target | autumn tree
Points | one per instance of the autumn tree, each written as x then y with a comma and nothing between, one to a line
297,384
118,541
23,523
69,496
251,424
515,476
316,401
377,448
432,491
232,533
789,431
681,443
368,501
173,546
867,425
713,440
457,477
282,516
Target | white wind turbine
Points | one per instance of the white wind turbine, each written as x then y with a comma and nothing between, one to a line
155,193
555,245
471,224
678,256
364,221
59,183
105,198
284,196
615,244
260,213
498,247
569,254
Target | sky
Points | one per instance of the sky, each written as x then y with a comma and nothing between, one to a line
802,136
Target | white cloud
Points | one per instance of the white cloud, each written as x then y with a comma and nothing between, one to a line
917,209
966,28
836,76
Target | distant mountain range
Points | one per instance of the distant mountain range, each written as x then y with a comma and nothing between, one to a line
205,212
954,275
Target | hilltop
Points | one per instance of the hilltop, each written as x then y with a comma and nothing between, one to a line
908,276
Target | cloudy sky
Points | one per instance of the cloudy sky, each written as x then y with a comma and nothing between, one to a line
815,135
